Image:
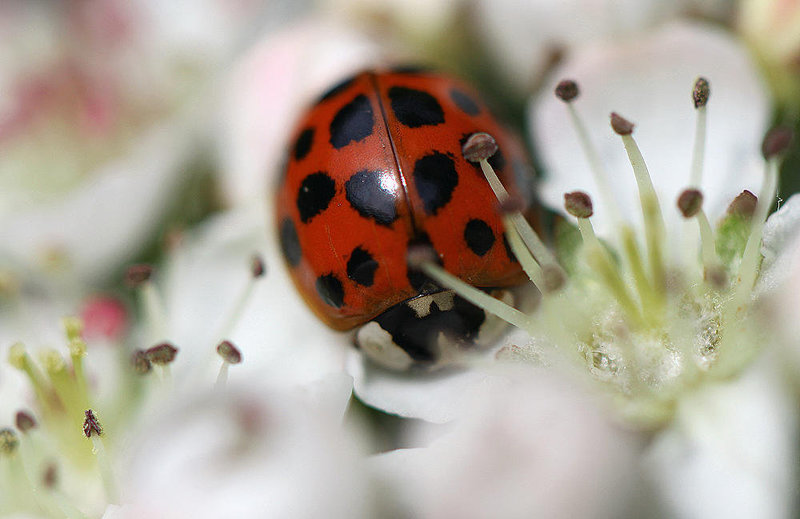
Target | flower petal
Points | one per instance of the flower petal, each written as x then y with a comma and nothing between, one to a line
649,81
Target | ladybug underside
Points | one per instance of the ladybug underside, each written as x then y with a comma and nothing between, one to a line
376,167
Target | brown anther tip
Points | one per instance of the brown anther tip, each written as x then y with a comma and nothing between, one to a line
24,421
744,204
161,354
690,202
229,352
141,364
479,146
578,204
50,476
776,141
701,92
138,274
567,90
8,441
620,125
91,426
512,204
419,255
257,267
554,278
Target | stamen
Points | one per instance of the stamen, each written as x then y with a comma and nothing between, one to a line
230,355
481,146
73,327
690,203
423,259
18,357
162,355
700,95
651,210
141,364
579,205
257,271
744,204
9,442
93,431
775,143
139,277
568,91
65,389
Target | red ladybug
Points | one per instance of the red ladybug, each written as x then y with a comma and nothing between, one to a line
376,166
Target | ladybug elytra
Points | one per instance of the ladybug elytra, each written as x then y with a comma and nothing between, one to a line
376,167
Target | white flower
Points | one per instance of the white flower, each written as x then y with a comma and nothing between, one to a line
98,118
671,334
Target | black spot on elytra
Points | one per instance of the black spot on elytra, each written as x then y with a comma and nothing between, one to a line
418,336
411,69
330,289
316,192
416,278
479,236
290,243
415,108
497,161
369,198
361,267
303,143
353,122
435,177
336,89
464,102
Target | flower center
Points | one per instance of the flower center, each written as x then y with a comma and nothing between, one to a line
644,324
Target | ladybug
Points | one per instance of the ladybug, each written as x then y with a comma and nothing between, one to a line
376,167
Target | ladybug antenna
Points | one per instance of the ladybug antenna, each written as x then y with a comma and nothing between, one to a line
536,259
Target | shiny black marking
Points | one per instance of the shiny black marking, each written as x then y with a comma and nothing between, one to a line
290,243
353,122
464,102
497,161
361,267
369,198
337,89
416,278
415,108
303,143
418,336
330,289
411,69
479,236
435,177
316,192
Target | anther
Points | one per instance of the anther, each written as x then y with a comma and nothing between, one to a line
512,204
9,442
50,476
136,275
567,90
229,353
743,205
700,92
554,278
257,268
620,125
24,421
73,327
479,146
776,141
161,354
91,426
578,204
690,202
141,364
